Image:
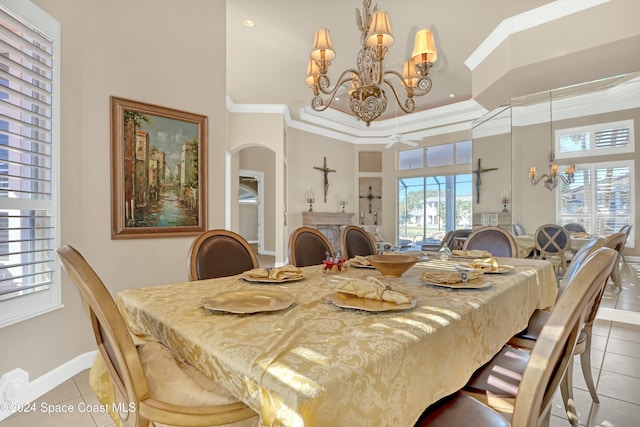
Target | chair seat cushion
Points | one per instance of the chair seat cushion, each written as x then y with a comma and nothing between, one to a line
460,410
178,382
537,320
502,375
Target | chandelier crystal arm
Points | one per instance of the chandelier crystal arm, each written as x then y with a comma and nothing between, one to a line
324,83
320,104
409,103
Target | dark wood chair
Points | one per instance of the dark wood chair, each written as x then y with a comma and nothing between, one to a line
356,241
147,378
220,253
308,246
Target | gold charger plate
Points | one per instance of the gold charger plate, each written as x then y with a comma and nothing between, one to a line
479,283
266,280
371,267
250,301
351,301
502,269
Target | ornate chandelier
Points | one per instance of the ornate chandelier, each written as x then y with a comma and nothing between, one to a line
550,179
367,99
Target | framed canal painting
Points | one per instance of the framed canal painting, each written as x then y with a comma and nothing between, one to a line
158,171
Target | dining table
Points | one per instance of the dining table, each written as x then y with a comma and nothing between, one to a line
310,359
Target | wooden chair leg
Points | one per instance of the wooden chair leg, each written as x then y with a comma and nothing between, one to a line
566,389
585,362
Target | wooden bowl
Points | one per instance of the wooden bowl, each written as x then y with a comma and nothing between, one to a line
392,265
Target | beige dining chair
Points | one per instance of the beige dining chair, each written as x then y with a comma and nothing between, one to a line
617,241
220,253
626,229
356,241
575,227
516,387
528,337
552,241
518,230
147,378
496,240
308,246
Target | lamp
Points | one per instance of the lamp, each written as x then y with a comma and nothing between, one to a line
367,100
550,179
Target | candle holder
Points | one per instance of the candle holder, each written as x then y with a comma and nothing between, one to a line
505,202
344,204
310,199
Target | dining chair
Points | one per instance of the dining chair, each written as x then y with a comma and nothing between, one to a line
308,246
494,239
435,247
515,388
381,242
617,241
518,230
575,227
626,229
220,253
528,337
356,241
552,241
147,378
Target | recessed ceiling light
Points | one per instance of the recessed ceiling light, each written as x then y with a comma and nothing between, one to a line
452,95
248,23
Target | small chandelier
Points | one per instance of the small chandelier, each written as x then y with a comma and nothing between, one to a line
550,179
367,99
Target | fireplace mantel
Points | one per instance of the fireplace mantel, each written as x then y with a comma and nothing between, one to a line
314,219
328,223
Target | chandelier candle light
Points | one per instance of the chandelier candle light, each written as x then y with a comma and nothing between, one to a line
550,179
367,99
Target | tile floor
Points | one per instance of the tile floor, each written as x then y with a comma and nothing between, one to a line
615,364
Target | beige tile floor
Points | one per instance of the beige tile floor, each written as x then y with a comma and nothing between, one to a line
615,364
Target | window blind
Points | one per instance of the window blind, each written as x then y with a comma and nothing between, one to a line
27,227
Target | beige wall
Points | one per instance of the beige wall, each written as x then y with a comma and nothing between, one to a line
307,150
128,49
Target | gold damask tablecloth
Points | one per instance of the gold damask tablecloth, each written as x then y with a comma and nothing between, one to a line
526,244
315,364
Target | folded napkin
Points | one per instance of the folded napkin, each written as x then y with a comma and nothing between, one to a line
432,275
373,288
473,253
280,273
485,264
359,260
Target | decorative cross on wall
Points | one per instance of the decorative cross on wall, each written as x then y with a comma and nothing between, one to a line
478,172
326,171
370,197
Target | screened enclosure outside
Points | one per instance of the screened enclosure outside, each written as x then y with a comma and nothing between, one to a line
430,206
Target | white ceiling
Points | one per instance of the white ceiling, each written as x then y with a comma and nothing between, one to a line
266,64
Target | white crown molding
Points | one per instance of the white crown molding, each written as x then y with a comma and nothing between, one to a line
340,126
538,16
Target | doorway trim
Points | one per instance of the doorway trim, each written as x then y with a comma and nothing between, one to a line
259,177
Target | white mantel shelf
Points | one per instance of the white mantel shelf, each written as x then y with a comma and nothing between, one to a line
313,219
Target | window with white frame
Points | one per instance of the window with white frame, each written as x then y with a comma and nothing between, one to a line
457,153
595,140
29,51
601,198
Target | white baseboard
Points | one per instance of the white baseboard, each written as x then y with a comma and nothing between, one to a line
616,315
15,387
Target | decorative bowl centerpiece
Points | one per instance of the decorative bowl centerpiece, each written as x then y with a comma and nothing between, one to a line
392,265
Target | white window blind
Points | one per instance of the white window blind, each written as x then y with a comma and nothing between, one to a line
27,158
595,140
600,198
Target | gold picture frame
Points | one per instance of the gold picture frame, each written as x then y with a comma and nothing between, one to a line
158,171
